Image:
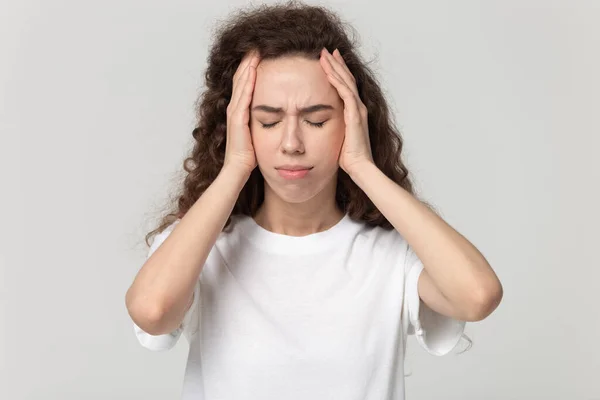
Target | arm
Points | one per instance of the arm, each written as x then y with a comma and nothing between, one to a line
163,288
457,281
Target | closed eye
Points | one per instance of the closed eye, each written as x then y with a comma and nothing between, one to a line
316,124
313,124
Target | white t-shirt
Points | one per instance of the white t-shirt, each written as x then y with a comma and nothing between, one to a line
322,316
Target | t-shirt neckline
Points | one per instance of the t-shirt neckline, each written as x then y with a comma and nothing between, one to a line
285,244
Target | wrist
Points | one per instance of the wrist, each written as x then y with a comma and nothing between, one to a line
360,172
237,175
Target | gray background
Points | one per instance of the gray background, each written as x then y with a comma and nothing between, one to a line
499,105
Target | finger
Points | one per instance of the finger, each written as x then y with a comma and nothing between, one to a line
235,94
251,70
247,60
350,79
347,95
337,55
255,60
342,88
250,80
239,89
326,64
344,74
239,72
251,60
246,88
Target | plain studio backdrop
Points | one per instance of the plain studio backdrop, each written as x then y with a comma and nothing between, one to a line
499,106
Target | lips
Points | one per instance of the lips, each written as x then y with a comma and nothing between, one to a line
293,171
293,167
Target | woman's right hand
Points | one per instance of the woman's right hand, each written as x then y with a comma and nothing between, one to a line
239,152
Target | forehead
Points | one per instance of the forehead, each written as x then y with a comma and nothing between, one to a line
292,81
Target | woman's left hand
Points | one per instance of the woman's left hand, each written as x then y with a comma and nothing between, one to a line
356,149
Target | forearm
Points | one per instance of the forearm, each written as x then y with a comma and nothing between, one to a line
459,271
161,292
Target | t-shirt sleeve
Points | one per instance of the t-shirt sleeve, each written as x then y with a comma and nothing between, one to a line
189,325
435,332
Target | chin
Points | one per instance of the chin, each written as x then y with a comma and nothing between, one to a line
296,192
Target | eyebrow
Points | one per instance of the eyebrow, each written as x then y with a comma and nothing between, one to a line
305,110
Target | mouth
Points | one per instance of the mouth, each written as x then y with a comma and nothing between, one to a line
293,171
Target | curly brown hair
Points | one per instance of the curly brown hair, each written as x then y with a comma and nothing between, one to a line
291,28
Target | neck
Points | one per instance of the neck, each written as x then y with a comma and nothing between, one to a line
299,219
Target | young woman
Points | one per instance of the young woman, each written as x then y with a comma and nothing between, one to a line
298,258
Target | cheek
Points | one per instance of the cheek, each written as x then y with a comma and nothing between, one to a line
263,145
332,143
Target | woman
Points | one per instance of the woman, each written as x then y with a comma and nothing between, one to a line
298,258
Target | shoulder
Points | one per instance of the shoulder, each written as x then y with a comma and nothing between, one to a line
162,235
381,237
380,245
227,243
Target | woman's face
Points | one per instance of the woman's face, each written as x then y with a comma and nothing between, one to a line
296,121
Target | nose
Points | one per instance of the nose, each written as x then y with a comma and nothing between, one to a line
291,142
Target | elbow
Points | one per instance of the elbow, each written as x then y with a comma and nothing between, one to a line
484,301
147,317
